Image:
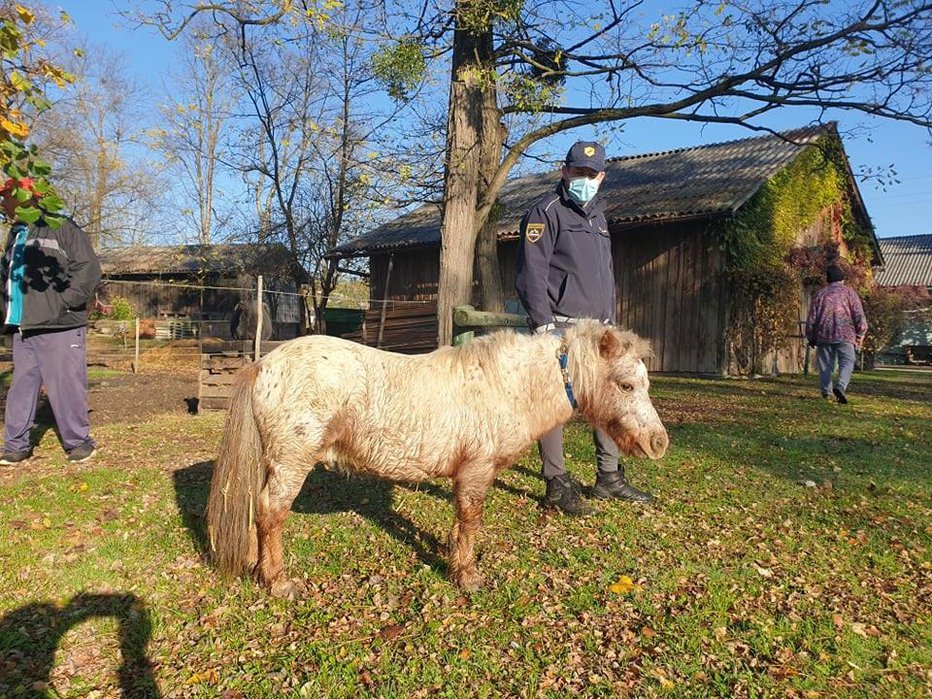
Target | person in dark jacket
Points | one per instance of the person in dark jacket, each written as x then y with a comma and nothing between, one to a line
565,273
47,275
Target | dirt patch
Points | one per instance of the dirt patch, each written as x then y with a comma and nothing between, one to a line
127,398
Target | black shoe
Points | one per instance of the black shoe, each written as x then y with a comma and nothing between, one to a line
840,395
8,458
82,453
614,486
563,494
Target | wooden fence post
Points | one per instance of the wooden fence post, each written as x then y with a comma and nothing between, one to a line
136,360
257,348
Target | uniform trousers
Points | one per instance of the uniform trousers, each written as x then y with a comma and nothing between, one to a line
551,444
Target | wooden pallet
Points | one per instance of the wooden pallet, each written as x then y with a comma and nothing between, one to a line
220,361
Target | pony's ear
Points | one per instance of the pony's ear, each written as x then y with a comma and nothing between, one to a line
610,345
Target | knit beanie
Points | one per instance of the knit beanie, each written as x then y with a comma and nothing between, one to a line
835,274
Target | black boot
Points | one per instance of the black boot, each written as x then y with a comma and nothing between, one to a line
563,494
613,485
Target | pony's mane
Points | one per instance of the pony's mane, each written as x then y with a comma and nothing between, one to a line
583,345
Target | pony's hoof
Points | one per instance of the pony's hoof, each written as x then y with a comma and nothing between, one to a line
283,588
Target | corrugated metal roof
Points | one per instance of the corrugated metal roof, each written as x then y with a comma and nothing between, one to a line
193,259
908,261
702,181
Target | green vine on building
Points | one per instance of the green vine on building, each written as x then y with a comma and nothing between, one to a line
765,266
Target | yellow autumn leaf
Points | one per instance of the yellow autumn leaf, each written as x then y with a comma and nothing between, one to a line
208,676
83,487
622,586
14,128
25,15
665,681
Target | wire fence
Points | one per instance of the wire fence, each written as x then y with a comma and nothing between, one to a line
176,322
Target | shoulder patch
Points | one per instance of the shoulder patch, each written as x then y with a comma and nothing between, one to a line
534,232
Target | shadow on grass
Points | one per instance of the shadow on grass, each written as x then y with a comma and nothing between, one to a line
30,635
324,492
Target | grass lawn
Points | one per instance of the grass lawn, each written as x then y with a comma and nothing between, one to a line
787,556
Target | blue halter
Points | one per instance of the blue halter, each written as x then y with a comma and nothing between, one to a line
567,384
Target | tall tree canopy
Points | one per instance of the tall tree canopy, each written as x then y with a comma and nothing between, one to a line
521,72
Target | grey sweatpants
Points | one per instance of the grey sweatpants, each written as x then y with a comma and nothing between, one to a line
826,355
57,359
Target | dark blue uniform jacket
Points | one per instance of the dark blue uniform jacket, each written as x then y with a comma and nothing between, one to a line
565,260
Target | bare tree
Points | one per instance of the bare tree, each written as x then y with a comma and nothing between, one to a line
191,130
95,140
304,133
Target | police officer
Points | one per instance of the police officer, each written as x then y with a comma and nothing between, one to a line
565,273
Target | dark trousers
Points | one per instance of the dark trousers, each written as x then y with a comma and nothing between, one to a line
57,359
551,452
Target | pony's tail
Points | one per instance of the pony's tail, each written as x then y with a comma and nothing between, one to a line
237,480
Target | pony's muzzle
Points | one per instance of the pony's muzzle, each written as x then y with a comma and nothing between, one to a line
659,441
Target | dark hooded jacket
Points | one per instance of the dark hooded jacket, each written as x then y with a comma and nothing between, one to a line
61,273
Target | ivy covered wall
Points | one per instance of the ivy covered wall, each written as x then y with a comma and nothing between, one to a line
768,263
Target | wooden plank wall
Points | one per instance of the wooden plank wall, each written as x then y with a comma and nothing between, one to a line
164,300
670,291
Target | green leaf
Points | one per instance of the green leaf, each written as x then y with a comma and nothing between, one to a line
12,148
28,214
40,168
54,221
22,194
39,102
52,203
19,82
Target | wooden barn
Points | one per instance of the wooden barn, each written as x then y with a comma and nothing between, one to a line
668,216
201,284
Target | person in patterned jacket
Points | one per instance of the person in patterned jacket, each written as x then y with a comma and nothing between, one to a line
836,326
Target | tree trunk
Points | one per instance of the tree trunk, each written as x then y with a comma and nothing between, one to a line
491,295
471,56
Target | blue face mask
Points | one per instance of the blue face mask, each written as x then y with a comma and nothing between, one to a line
582,189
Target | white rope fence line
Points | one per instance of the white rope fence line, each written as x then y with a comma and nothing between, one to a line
184,285
253,289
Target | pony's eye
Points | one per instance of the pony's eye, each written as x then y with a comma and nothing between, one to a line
626,387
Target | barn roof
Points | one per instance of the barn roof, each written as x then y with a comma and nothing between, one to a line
272,259
908,261
700,182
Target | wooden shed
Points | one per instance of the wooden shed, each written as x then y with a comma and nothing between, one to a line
666,212
203,283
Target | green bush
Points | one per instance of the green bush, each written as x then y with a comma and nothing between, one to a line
122,309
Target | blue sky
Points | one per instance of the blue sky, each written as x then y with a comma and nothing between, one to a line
901,209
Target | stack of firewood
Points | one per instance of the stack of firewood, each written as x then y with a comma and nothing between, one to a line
402,326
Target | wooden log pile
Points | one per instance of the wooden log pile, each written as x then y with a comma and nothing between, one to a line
409,327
